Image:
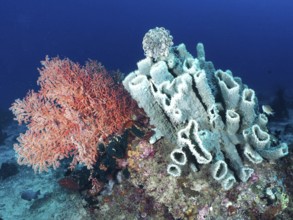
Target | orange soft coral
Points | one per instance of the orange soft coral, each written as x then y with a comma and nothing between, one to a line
76,108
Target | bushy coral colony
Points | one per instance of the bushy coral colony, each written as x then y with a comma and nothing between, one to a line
209,116
76,108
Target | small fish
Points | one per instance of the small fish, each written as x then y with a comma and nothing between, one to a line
30,195
268,110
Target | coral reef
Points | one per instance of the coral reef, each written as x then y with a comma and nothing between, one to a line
209,116
194,196
76,108
201,122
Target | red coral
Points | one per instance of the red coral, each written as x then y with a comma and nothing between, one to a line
69,183
76,108
97,186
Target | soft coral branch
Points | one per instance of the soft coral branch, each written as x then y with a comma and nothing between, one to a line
76,108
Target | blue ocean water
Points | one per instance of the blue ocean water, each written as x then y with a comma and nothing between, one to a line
252,38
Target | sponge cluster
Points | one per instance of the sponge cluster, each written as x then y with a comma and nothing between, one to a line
209,115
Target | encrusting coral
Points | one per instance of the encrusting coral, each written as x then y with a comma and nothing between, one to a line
209,115
76,108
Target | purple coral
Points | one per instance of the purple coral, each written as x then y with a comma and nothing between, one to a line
202,214
146,149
